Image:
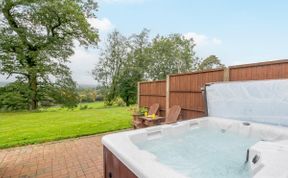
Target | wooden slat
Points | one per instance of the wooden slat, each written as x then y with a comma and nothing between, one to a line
185,89
194,109
153,92
152,95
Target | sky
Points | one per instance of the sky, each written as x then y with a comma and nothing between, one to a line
238,32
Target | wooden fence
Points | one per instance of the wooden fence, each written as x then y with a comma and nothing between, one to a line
152,92
185,89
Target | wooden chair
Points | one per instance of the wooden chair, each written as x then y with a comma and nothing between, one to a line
153,109
173,114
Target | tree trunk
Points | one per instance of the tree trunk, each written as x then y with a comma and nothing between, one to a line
33,87
127,101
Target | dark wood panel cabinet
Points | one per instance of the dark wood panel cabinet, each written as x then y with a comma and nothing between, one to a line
114,168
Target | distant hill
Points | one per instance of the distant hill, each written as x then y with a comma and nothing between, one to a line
83,86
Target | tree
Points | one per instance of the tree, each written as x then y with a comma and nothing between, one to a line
126,61
135,66
170,55
14,96
138,57
111,62
65,92
37,37
122,64
210,62
128,86
87,94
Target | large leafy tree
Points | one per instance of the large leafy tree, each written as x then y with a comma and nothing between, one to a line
135,66
169,55
138,58
123,62
37,37
126,61
112,60
210,62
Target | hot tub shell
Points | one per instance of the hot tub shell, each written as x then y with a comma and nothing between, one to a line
273,150
250,108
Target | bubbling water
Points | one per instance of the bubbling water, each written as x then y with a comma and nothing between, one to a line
203,153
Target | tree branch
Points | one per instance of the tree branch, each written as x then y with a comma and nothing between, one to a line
19,73
7,14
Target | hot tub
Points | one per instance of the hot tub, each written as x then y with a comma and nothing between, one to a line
202,148
245,136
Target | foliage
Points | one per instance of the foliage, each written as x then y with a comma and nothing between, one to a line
126,61
99,98
136,110
122,65
138,58
83,107
170,55
135,67
112,60
128,87
22,128
119,102
14,96
37,37
210,62
88,95
64,92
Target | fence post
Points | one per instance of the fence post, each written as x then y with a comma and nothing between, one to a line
226,74
138,94
167,95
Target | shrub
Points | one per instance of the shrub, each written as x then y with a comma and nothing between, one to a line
119,102
14,97
83,107
99,98
136,110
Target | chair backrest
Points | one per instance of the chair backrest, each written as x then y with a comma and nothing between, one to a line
173,114
153,109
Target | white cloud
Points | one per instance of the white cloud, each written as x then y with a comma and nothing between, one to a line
102,25
202,40
82,64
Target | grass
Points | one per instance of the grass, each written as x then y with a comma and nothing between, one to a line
22,128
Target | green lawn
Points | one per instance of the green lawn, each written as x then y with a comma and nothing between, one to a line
21,128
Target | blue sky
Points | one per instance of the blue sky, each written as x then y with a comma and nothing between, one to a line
248,30
238,32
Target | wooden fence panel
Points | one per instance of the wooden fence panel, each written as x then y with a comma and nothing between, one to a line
185,89
153,92
260,71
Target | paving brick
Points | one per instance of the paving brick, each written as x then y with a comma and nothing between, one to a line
72,158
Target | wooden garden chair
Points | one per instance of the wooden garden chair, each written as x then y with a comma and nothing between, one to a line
173,114
153,109
172,117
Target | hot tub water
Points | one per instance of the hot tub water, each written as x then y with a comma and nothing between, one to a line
203,153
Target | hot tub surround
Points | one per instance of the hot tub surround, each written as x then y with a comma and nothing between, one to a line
128,159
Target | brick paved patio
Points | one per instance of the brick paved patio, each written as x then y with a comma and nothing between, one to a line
69,158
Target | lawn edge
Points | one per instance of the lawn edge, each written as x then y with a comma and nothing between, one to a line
54,141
